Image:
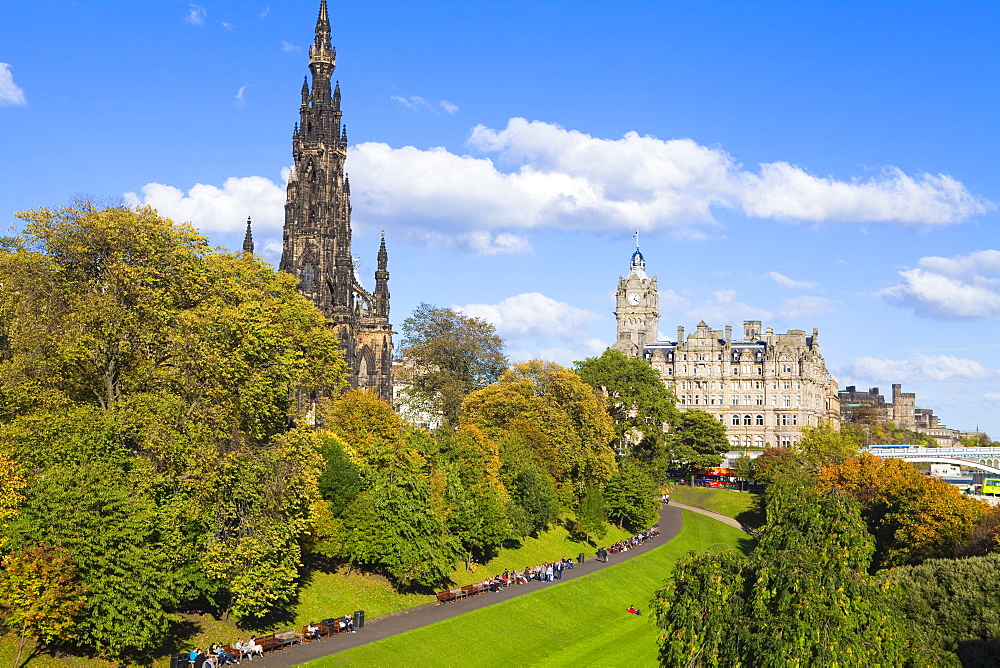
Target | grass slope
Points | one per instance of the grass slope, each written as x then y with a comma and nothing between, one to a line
580,622
723,501
333,594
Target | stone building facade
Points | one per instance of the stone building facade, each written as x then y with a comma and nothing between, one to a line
856,406
764,387
317,233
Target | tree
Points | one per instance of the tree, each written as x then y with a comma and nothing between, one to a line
108,524
803,597
913,517
451,355
631,497
949,606
639,403
591,514
41,595
152,376
563,420
12,483
697,440
700,611
824,444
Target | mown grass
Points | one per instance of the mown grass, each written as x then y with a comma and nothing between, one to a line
723,501
579,622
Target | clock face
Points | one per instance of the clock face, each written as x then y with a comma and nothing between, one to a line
633,298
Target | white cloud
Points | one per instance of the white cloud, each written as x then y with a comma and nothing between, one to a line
918,368
240,99
10,93
196,15
723,307
226,25
288,47
264,12
533,315
992,396
787,282
213,209
546,177
964,286
417,103
805,307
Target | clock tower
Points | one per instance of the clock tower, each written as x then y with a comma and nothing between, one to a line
636,307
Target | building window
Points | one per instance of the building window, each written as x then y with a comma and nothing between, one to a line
746,400
786,441
746,420
786,368
735,400
670,371
736,371
746,369
760,399
736,421
787,385
786,401
774,385
795,420
734,386
758,442
760,420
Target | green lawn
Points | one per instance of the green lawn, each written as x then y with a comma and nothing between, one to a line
723,501
579,622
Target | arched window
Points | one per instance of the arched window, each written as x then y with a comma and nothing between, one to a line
736,420
746,420
760,420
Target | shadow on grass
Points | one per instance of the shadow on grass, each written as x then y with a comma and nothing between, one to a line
755,516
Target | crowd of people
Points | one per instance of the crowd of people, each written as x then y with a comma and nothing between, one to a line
553,570
629,543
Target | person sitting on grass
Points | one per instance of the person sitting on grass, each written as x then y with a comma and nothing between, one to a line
632,610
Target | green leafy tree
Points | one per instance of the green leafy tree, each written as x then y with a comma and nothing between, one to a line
40,596
451,355
639,403
697,440
108,523
133,352
700,609
591,514
631,497
948,606
825,444
533,501
803,597
563,420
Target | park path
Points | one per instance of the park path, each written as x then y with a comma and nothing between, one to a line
384,626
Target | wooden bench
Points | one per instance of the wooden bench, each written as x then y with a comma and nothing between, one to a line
287,638
269,643
445,596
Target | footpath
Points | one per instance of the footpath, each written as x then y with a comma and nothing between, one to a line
384,626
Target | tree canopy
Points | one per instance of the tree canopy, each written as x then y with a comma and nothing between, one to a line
145,418
451,355
639,403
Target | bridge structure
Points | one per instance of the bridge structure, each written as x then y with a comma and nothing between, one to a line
984,459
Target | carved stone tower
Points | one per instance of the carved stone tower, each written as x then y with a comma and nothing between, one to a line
317,235
636,307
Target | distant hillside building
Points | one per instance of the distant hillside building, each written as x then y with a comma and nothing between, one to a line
763,386
872,407
317,235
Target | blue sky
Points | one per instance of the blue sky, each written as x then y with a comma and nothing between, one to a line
830,165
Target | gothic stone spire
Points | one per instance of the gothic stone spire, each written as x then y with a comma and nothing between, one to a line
248,239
